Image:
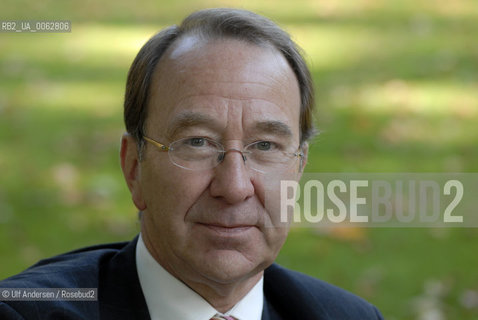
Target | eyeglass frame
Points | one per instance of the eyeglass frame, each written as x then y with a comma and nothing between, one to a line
164,148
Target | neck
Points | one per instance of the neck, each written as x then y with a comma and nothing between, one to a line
224,297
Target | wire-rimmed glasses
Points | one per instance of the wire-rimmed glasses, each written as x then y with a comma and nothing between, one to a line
200,153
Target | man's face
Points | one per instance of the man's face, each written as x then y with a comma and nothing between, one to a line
210,225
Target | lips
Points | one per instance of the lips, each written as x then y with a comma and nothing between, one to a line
221,228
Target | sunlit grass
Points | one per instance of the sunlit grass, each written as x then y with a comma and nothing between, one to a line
114,41
396,91
100,98
435,98
112,45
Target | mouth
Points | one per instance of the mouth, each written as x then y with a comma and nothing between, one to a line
225,229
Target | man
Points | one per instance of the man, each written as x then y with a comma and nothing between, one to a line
217,111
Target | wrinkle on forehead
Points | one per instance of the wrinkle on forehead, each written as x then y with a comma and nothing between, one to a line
192,57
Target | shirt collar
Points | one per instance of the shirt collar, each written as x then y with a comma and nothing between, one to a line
169,298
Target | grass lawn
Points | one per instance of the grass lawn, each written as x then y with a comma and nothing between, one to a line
397,91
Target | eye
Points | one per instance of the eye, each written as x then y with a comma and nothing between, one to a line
196,142
264,145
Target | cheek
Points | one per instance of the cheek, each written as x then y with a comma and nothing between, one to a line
276,236
172,190
274,240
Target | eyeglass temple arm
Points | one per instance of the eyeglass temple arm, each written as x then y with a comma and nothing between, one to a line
299,153
161,147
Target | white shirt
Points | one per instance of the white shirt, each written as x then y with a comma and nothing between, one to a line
168,298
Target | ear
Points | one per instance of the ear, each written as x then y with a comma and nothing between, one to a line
131,169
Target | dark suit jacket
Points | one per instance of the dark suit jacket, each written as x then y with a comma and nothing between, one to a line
112,269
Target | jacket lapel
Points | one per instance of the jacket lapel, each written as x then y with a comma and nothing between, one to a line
119,293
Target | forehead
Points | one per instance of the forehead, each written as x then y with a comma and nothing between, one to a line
224,79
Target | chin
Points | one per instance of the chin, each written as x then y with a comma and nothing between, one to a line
228,266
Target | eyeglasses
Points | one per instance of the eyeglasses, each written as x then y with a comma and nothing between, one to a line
199,153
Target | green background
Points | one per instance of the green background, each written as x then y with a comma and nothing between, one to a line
397,91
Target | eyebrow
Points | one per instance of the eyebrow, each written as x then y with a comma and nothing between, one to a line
274,127
186,120
192,119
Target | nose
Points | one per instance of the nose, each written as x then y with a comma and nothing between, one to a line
232,179
223,155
